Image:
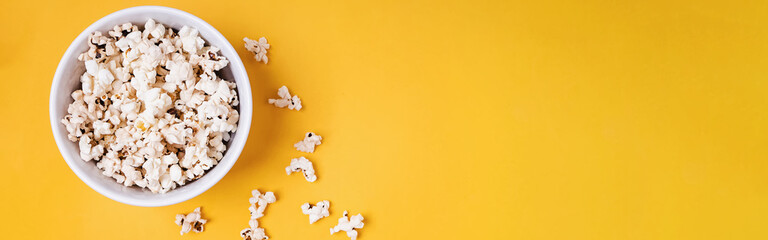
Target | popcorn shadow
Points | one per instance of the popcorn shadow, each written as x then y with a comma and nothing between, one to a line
367,216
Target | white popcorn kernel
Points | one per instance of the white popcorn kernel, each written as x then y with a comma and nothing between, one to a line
91,67
295,103
254,232
134,161
223,92
170,159
191,221
153,55
211,61
112,115
153,29
176,133
179,71
262,200
105,76
153,185
155,101
119,178
210,110
190,40
197,160
85,148
175,172
143,80
87,151
101,128
191,97
152,168
153,145
132,176
308,144
129,41
166,182
258,48
320,210
207,84
109,166
303,165
129,110
87,82
286,100
349,225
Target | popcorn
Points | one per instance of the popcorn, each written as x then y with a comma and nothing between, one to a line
155,101
176,133
128,41
87,151
254,232
190,41
316,212
191,221
258,48
349,225
308,144
209,60
292,102
262,200
153,29
304,165
101,128
152,111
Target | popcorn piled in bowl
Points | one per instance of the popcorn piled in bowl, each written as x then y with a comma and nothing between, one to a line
152,111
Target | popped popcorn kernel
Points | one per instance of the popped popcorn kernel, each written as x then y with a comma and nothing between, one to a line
191,221
308,144
303,165
253,234
253,231
258,48
286,100
349,224
320,210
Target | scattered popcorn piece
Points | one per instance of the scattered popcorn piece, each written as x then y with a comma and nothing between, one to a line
258,48
305,166
292,102
134,112
308,144
316,212
262,200
191,221
348,225
254,232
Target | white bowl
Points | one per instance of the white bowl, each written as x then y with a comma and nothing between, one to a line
67,79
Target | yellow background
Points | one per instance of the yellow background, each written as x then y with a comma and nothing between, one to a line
442,120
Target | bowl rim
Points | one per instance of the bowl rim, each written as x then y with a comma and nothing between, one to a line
237,143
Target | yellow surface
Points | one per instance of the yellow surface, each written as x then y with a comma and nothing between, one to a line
442,120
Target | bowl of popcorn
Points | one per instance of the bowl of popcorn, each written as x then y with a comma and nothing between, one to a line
150,106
